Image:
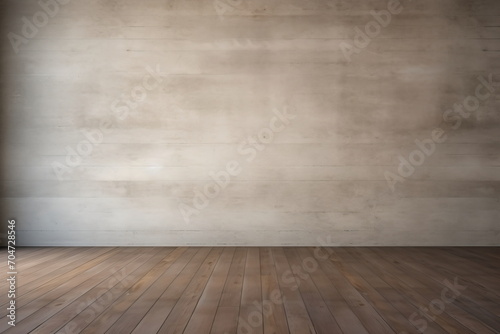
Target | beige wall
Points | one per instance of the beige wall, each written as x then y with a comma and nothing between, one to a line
118,114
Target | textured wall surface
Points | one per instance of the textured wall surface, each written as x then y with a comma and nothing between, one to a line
251,122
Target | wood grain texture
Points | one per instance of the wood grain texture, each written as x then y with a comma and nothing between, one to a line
223,68
227,290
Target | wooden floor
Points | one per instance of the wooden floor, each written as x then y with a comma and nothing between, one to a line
256,290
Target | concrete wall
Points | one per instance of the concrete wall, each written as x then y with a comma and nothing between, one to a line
323,122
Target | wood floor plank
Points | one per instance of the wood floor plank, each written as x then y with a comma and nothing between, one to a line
29,282
400,302
226,317
45,316
22,254
420,295
347,320
46,265
250,290
490,282
472,300
157,314
226,320
296,311
323,321
275,321
57,266
25,254
231,294
423,296
177,320
344,261
361,307
202,319
47,283
486,261
250,317
458,266
48,257
426,263
123,262
131,317
147,258
492,252
109,316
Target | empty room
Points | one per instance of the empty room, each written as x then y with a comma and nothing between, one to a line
250,166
